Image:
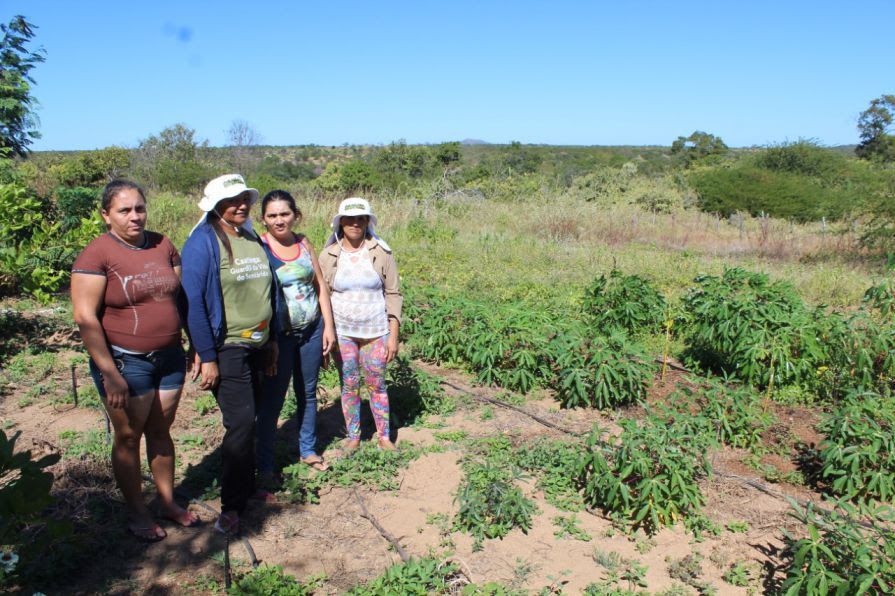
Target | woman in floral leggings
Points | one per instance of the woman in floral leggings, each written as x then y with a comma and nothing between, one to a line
360,271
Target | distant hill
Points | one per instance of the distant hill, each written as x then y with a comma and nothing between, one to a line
474,142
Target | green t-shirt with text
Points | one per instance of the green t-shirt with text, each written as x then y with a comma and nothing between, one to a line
245,284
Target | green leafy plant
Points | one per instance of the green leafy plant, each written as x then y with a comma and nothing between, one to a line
688,569
490,504
270,579
840,555
647,476
733,415
857,455
205,404
24,495
620,571
625,303
555,464
600,373
414,394
568,526
416,576
741,574
85,444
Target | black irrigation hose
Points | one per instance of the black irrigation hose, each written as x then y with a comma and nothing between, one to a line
759,486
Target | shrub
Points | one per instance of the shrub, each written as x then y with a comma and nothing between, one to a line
804,157
75,204
759,191
744,325
490,504
647,476
624,302
599,373
730,415
555,464
840,555
857,455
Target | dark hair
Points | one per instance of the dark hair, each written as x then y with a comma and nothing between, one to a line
116,186
214,220
281,195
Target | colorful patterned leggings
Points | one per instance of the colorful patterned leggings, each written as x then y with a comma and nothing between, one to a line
369,355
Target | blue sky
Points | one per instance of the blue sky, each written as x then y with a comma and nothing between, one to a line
561,72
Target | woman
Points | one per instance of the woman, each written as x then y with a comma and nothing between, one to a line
361,274
307,332
231,296
124,289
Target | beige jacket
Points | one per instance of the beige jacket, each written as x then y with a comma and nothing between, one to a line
383,263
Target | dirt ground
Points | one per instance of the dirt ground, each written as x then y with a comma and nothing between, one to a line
332,538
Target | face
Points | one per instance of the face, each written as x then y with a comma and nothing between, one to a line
126,215
235,211
354,227
279,218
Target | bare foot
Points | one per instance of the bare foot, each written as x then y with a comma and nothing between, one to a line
386,445
180,516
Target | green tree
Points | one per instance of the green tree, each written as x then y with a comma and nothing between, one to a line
447,153
874,124
697,146
17,119
171,160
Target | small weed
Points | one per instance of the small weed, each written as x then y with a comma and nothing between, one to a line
618,570
193,441
487,413
688,570
644,545
268,579
741,574
205,404
90,444
451,436
25,402
568,526
738,527
416,576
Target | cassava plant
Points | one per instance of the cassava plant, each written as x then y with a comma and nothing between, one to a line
625,303
857,454
647,476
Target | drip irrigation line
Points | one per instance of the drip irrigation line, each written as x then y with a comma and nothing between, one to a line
382,531
504,404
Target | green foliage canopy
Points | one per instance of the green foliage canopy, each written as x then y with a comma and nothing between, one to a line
17,120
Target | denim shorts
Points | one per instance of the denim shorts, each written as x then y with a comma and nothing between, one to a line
162,369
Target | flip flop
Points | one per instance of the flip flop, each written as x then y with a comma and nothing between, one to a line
227,523
316,462
184,519
147,534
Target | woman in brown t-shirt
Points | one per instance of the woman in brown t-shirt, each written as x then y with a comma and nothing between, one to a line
124,287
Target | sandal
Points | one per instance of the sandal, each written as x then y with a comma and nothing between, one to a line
316,462
147,534
184,519
228,523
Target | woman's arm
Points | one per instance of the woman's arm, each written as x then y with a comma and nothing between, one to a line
87,293
194,279
391,287
326,309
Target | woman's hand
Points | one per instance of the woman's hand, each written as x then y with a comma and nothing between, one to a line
391,347
211,376
271,355
116,390
329,340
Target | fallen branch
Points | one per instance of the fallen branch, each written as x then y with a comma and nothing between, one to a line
382,531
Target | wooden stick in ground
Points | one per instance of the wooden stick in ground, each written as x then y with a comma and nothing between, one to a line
364,513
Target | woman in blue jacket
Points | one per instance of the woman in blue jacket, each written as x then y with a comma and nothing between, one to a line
231,296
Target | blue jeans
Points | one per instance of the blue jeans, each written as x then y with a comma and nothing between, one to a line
300,357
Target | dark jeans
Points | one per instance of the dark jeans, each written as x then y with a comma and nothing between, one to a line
300,356
241,372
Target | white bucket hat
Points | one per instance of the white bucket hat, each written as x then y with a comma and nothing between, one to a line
225,187
353,207
221,188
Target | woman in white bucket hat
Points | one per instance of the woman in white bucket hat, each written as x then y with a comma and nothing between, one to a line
360,272
231,297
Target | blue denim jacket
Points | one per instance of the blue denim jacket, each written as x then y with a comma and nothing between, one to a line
205,322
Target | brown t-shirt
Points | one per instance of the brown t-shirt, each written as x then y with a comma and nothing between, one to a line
139,310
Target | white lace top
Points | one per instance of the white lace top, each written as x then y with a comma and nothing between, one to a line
358,300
